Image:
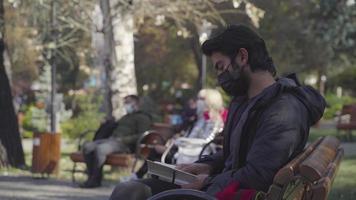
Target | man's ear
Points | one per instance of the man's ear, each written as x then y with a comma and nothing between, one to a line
242,57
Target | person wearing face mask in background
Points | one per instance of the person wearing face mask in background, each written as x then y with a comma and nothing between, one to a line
209,123
123,139
189,116
209,114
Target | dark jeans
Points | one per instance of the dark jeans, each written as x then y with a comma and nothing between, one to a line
143,188
95,154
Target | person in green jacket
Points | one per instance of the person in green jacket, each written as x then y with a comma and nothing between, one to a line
125,135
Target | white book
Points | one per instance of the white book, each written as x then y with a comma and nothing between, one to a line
167,172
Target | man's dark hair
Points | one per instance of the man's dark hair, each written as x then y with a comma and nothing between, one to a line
134,97
239,36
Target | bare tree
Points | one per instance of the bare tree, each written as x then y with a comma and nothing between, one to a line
118,55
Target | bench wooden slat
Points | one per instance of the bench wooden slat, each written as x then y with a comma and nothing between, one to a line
115,159
294,191
322,187
316,164
310,175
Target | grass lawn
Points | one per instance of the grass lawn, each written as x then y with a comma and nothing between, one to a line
112,175
316,133
344,186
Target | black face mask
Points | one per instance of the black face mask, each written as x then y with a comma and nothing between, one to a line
233,83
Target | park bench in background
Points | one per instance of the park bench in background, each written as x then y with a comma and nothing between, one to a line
347,121
159,134
307,177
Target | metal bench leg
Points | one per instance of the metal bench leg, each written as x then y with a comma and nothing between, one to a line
74,170
344,135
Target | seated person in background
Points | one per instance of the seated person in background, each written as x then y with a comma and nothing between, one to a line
189,116
124,137
209,123
209,107
209,114
267,125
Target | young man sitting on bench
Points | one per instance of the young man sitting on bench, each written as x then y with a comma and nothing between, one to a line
267,126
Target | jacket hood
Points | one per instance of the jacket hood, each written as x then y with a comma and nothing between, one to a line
311,98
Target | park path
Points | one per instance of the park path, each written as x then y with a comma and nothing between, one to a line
28,188
349,148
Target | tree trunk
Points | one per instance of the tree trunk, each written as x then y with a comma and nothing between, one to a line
195,46
102,56
118,38
9,129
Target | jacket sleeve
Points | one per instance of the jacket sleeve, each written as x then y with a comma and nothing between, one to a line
278,134
143,123
216,161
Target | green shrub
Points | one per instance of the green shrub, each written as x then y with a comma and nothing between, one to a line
35,119
335,104
87,117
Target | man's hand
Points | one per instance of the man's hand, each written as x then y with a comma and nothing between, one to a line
196,185
195,168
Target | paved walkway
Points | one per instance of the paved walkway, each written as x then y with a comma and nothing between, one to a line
349,148
27,188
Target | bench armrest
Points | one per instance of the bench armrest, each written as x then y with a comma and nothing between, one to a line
152,136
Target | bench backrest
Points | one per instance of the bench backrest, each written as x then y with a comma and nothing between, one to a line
348,110
165,130
310,174
159,134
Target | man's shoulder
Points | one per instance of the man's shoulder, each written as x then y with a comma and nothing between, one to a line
286,99
285,107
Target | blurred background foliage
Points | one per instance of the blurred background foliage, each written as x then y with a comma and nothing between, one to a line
335,104
315,39
87,115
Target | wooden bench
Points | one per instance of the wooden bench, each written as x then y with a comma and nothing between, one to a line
310,175
307,177
115,159
159,134
347,121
